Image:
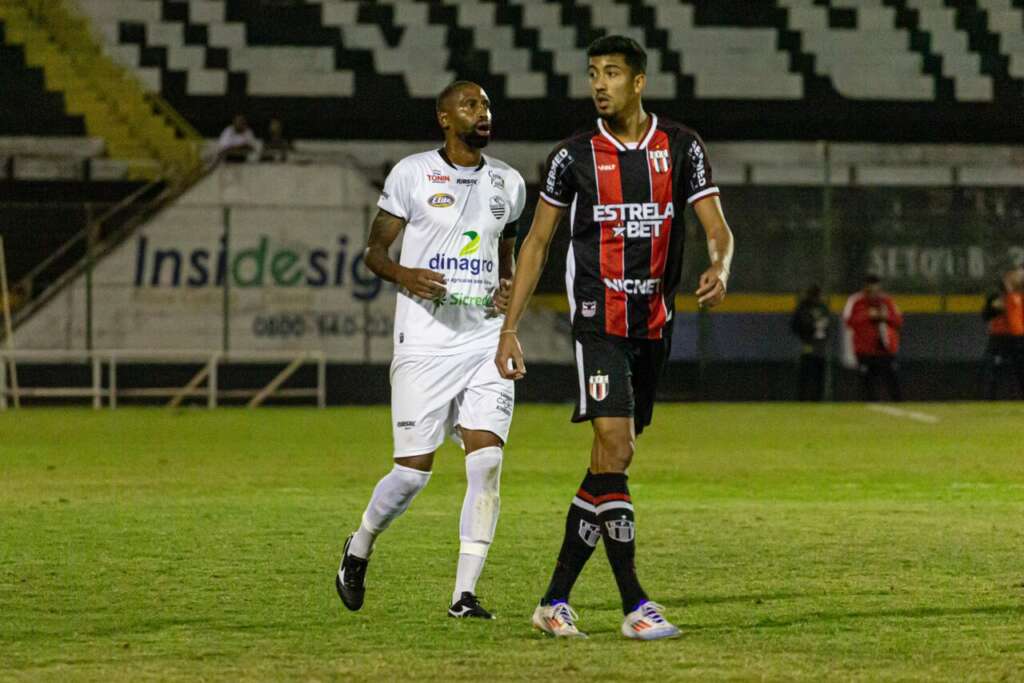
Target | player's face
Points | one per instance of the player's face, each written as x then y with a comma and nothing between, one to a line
467,114
613,85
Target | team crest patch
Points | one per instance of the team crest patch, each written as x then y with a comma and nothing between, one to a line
588,309
659,160
497,207
441,200
597,387
621,530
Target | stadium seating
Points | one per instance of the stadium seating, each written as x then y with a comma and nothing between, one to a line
864,69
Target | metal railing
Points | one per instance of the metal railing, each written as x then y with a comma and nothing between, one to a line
203,384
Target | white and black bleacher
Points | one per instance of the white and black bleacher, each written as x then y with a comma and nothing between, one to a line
784,69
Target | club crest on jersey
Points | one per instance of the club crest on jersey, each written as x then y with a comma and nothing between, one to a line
597,386
588,309
659,160
441,200
497,182
497,207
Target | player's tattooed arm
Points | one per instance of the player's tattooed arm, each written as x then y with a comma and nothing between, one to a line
421,282
533,254
506,269
712,285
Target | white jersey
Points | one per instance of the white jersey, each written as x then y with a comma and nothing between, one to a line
455,218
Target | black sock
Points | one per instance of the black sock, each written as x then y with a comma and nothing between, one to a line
618,529
581,536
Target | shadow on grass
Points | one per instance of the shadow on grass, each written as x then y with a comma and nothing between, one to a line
905,613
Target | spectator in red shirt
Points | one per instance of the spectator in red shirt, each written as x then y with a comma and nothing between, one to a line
875,321
1004,313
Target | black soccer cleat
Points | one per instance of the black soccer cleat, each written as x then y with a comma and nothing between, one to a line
350,577
468,607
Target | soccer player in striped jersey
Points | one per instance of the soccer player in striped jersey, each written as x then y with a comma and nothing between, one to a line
625,184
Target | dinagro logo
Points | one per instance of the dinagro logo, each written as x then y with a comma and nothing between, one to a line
264,265
473,245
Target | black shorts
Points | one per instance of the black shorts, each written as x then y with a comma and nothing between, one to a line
618,377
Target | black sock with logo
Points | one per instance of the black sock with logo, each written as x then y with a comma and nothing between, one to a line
581,536
618,529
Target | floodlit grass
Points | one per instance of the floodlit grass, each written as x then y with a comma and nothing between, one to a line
789,542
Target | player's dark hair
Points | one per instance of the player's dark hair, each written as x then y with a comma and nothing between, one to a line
448,90
872,279
636,58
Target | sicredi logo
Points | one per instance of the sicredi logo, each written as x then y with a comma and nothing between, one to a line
441,200
262,265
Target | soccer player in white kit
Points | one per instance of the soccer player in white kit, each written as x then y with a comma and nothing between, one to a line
459,210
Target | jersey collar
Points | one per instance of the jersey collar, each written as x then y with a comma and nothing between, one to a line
652,125
444,157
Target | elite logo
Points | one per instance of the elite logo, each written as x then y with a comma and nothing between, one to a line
497,207
473,245
441,200
597,386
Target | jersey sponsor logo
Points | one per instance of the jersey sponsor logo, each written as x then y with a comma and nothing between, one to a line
559,165
406,424
466,181
441,200
436,176
597,386
700,174
497,207
659,160
473,266
606,167
588,309
497,182
633,285
504,403
473,245
635,220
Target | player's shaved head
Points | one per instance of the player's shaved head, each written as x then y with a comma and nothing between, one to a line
444,99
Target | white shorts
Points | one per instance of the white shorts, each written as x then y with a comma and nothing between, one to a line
432,395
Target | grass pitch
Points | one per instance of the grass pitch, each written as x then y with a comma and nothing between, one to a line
789,542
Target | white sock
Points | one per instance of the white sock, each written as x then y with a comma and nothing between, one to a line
479,516
391,497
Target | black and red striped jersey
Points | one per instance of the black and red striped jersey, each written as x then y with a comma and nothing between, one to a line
626,203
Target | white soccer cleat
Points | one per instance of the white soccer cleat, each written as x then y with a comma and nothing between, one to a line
558,620
647,623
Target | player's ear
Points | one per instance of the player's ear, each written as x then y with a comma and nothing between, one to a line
639,83
442,119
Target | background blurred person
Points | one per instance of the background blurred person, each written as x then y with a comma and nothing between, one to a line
811,322
1004,313
875,322
237,142
276,147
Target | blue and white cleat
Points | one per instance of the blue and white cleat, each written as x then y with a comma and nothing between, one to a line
558,620
646,622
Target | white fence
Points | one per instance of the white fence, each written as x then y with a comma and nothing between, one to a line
203,384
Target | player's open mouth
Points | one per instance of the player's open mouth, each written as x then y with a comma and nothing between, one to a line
483,129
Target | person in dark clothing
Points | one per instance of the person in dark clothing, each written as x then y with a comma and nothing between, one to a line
1004,313
812,322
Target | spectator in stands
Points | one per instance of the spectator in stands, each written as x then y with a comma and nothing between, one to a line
276,147
811,322
1004,313
874,320
237,143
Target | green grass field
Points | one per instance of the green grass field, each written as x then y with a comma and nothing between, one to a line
789,542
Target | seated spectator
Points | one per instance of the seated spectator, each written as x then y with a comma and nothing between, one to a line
277,147
237,143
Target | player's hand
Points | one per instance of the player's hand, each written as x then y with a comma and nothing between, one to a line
711,288
502,296
509,357
424,283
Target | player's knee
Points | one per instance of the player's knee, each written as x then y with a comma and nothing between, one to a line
613,451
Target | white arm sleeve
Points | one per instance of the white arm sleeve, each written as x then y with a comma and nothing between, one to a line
395,198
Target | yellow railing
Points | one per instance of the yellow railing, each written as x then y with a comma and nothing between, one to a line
152,125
